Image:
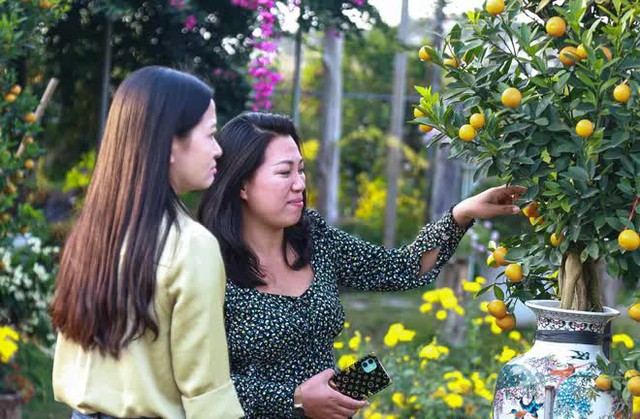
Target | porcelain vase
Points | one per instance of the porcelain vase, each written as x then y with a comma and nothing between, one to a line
555,378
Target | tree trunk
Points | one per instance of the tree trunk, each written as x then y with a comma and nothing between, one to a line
579,283
10,406
329,159
394,145
297,85
447,176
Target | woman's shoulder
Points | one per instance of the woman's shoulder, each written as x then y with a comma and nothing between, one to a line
188,228
187,239
316,221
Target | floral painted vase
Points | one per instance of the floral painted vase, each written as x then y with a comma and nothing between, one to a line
563,363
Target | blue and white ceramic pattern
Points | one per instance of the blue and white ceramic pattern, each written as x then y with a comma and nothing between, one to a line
564,359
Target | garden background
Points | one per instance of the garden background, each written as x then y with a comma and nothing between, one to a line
346,71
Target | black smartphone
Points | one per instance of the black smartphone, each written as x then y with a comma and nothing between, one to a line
362,379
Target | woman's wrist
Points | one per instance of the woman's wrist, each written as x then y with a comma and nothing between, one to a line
461,216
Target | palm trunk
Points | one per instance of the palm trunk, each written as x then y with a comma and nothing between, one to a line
579,284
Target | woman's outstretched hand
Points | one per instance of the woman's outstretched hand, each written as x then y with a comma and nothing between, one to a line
488,204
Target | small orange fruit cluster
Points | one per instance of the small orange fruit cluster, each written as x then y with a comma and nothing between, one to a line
504,320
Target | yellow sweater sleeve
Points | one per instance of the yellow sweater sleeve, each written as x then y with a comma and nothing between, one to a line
198,343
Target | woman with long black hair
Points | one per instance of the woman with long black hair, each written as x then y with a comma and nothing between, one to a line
140,291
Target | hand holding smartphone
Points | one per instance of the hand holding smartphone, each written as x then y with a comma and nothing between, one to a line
362,379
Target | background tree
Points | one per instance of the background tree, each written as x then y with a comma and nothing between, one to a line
26,261
206,38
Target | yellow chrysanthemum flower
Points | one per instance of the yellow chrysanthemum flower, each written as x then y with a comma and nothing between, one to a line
461,386
453,400
485,394
354,342
310,149
507,354
8,343
440,392
426,307
484,306
441,315
430,296
471,287
515,335
338,345
346,360
480,280
624,339
398,399
397,333
429,352
455,375
445,291
449,301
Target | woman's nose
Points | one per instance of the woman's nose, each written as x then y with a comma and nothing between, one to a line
299,182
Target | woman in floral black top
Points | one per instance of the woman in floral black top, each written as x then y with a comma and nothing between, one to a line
285,264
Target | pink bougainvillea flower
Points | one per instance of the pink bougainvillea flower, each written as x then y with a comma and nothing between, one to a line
191,22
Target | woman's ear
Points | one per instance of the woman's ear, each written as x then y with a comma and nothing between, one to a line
174,150
243,192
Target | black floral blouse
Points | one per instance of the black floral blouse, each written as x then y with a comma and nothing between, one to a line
277,342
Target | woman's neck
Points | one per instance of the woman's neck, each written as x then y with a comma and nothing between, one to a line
265,241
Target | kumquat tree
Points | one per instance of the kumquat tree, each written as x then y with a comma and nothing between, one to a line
545,94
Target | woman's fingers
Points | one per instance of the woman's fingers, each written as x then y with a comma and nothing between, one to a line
347,402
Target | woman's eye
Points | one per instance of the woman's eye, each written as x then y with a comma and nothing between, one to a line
288,172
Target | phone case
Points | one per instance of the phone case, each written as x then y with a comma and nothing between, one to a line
362,379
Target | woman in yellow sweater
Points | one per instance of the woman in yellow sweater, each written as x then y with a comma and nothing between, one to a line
139,313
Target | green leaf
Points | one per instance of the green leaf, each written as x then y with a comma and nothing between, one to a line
615,223
525,160
558,126
544,103
585,79
542,5
558,87
516,253
518,126
542,122
483,290
497,291
577,172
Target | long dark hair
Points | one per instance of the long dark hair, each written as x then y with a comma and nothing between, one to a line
244,140
104,300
